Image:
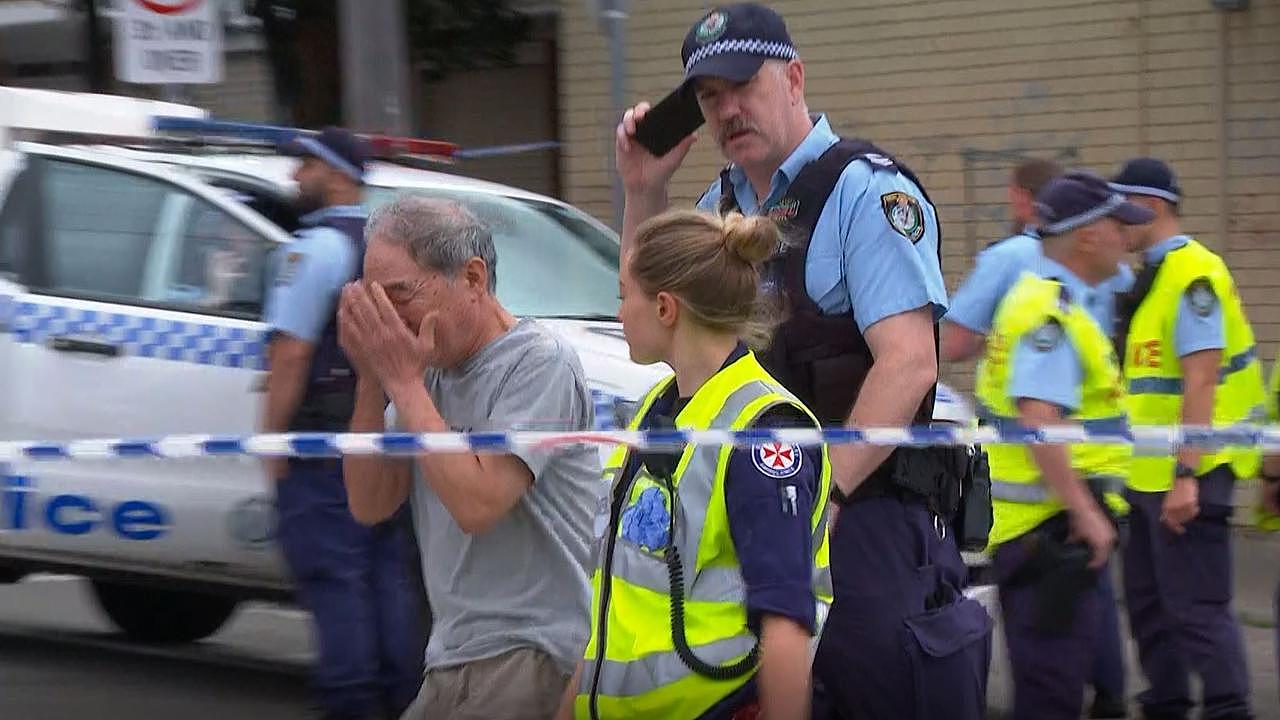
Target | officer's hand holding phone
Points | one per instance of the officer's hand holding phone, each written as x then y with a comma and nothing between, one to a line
652,142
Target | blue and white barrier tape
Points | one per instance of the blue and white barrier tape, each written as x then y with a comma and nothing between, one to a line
1147,440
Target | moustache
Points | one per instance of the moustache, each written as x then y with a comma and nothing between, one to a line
735,125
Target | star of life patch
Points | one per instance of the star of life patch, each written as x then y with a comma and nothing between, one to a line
777,460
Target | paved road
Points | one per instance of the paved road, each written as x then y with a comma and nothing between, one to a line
60,659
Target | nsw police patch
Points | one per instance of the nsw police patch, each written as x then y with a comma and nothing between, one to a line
904,214
777,460
712,27
1201,297
289,268
1047,336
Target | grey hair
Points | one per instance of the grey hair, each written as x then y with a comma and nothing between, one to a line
440,235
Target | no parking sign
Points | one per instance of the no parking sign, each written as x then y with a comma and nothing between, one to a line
169,42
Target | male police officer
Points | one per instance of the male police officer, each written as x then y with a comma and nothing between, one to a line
865,291
1048,359
964,334
1189,357
351,578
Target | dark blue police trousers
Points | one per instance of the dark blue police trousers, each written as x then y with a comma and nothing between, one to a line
902,641
1178,592
355,582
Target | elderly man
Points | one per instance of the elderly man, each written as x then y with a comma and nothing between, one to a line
504,537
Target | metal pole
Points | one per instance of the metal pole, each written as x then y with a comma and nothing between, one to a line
375,71
614,18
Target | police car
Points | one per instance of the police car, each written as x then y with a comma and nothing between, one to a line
133,271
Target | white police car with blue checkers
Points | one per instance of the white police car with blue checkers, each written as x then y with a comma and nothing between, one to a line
132,279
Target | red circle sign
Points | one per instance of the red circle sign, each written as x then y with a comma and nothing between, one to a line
169,7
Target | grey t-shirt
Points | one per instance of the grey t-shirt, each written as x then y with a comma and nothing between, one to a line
525,582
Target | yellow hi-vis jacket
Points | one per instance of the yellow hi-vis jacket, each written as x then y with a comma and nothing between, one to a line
632,668
1020,501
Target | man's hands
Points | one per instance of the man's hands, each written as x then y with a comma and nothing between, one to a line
378,343
1181,504
641,172
1091,526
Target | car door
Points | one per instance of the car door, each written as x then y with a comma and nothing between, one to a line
136,313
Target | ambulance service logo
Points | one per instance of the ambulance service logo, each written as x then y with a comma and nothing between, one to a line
713,27
777,460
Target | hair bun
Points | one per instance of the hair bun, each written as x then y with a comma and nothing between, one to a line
752,239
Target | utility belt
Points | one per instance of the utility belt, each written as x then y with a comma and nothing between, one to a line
953,482
327,410
1056,568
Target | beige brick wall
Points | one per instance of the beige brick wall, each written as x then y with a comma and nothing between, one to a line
962,89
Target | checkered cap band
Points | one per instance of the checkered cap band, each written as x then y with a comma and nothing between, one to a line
744,46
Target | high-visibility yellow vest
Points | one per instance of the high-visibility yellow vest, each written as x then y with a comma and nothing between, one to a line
632,668
1261,517
1020,500
1153,371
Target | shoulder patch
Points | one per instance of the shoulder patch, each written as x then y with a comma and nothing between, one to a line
289,268
1047,336
777,460
878,160
904,214
1201,297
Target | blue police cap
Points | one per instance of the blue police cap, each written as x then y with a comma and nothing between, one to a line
1076,199
1148,176
733,41
336,146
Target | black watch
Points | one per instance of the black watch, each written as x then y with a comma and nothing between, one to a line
1180,471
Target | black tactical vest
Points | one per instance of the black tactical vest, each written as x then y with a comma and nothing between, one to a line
823,359
331,383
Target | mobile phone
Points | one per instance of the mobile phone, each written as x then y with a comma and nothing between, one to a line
669,122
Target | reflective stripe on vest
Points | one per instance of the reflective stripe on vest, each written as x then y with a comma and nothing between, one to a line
1173,386
1016,492
637,677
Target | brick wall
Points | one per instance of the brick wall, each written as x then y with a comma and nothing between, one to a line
962,89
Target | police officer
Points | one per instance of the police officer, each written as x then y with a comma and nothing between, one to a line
1048,360
964,334
863,284
351,578
1267,512
715,618
1189,358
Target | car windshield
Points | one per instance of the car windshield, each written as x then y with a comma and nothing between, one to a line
552,260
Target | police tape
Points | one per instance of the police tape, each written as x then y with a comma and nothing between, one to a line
1145,440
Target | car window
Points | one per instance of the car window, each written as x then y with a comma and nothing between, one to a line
99,224
552,261
117,236
214,262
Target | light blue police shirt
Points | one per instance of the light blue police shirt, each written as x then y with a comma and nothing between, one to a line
1045,364
857,261
309,274
998,267
1194,330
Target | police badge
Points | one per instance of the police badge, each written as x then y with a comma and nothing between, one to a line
904,214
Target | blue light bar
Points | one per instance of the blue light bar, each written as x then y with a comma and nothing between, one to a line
274,134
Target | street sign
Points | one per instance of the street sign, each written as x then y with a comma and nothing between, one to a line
169,42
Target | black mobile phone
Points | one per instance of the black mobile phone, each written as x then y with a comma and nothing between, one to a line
669,122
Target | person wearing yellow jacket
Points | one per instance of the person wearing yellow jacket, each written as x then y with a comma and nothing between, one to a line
1189,358
1267,511
714,577
1049,362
